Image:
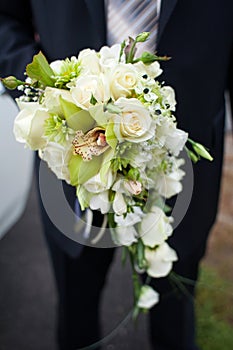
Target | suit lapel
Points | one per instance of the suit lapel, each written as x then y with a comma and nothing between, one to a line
167,7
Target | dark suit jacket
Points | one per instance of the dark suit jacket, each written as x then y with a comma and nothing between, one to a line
196,34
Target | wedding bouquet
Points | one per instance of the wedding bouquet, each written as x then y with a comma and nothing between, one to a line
105,124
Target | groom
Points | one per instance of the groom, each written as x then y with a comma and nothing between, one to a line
198,35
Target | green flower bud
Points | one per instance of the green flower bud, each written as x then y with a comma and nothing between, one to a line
140,38
202,151
11,82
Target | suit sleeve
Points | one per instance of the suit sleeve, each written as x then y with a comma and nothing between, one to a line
17,37
230,87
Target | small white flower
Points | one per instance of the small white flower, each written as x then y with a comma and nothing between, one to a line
155,227
152,70
52,99
100,201
148,297
97,184
109,56
169,97
124,235
169,136
119,206
130,219
160,260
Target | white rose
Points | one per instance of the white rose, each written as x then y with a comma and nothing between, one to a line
123,80
160,260
57,157
100,201
124,235
134,123
29,125
89,62
109,56
52,99
97,184
169,97
155,227
88,86
152,70
148,297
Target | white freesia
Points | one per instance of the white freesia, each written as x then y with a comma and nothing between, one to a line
51,99
119,205
130,219
148,297
100,202
152,70
87,87
155,227
170,184
109,56
97,184
122,80
134,123
170,136
160,260
89,61
124,235
57,157
29,125
168,94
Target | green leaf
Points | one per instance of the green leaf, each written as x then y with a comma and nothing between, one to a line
68,108
76,118
89,169
99,115
40,70
148,57
110,135
74,167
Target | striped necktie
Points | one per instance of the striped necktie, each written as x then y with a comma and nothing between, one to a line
131,17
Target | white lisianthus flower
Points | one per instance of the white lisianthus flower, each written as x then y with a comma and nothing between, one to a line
148,297
109,56
89,61
155,227
169,136
100,201
87,87
134,123
124,235
119,206
170,184
52,99
130,219
97,184
160,260
122,80
29,125
168,94
152,70
57,157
